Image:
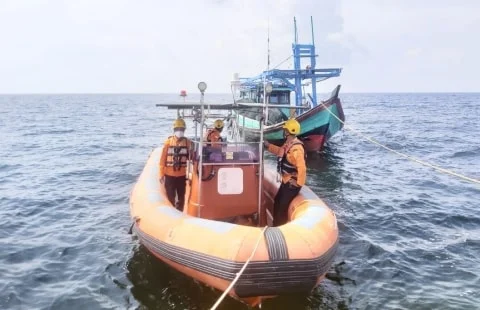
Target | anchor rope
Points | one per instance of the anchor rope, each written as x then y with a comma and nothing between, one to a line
281,63
229,288
409,157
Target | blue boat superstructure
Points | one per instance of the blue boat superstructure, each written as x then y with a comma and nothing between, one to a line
318,124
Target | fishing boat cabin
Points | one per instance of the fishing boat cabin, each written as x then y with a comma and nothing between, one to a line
279,95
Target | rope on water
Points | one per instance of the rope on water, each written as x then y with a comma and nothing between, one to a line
402,154
240,272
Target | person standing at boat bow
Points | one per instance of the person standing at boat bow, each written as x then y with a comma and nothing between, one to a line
173,164
291,162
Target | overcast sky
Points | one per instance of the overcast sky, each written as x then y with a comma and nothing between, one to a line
120,46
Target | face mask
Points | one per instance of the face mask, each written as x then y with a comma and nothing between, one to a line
178,134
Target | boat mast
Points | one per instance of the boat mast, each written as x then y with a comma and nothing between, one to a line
300,51
312,66
297,64
268,46
268,70
292,78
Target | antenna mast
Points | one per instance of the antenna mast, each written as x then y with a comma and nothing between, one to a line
295,31
313,36
268,45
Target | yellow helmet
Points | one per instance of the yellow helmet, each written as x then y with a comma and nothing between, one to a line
179,123
218,124
292,126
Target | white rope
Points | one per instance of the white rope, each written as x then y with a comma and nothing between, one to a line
404,155
282,62
229,288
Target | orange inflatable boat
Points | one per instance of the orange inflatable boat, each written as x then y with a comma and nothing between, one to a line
225,212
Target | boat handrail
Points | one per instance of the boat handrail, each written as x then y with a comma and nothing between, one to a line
237,163
224,106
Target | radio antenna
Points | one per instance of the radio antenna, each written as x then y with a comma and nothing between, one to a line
268,45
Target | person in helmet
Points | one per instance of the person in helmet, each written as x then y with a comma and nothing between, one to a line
173,163
291,165
214,134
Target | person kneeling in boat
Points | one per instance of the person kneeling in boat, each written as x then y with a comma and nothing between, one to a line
213,135
291,164
173,163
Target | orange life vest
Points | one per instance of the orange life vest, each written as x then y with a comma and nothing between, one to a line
177,153
283,165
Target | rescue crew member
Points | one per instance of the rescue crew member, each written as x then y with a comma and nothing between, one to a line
291,165
213,135
173,163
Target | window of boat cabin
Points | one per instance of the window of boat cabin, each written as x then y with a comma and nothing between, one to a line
280,97
245,95
231,153
273,99
275,115
260,97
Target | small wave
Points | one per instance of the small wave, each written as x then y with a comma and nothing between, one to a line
90,173
470,153
49,132
10,300
9,167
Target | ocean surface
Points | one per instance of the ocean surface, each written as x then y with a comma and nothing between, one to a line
409,235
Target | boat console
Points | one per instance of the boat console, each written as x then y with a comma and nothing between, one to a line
227,183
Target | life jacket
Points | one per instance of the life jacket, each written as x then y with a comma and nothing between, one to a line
283,165
177,153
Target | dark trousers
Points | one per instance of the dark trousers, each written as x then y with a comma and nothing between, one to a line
176,186
284,196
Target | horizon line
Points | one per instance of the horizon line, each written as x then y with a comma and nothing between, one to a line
226,93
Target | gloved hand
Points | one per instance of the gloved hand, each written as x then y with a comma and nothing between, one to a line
162,180
266,143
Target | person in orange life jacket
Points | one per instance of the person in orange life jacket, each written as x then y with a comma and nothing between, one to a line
291,164
173,163
213,135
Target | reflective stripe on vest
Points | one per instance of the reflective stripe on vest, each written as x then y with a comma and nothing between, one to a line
177,154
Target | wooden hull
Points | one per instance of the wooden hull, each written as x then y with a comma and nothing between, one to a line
317,125
290,258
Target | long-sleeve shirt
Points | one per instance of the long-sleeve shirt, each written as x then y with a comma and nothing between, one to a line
296,157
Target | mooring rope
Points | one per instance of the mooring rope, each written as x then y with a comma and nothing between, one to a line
229,288
281,63
411,158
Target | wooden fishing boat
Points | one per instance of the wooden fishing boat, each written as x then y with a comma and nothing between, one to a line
223,227
319,122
